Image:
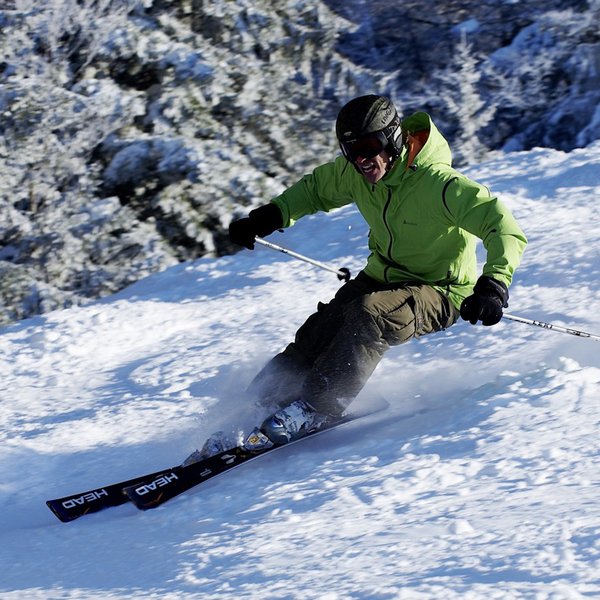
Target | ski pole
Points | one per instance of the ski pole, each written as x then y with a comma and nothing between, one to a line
552,326
343,274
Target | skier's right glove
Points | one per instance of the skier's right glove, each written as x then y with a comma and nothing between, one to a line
260,222
489,297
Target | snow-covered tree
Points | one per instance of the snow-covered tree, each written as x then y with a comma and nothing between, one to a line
460,103
132,131
546,83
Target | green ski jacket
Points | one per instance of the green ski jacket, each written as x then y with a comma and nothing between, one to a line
424,218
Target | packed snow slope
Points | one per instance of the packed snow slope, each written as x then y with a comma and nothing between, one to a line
481,480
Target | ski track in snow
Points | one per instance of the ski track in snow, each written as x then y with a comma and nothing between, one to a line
480,481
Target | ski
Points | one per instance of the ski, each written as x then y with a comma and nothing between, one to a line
77,505
155,491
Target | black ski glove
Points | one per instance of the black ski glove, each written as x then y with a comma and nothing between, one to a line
260,222
489,298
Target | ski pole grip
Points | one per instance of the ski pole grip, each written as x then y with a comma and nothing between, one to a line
343,274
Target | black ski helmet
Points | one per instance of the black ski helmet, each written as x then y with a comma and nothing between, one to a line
365,116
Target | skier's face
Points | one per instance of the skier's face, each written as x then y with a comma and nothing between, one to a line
373,169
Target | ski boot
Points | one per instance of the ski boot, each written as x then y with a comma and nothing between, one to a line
285,425
217,442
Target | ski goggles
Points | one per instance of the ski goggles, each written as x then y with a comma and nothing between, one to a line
365,147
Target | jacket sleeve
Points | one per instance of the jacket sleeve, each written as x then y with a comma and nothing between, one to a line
321,190
471,207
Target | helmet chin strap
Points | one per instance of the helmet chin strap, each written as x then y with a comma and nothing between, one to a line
389,165
399,142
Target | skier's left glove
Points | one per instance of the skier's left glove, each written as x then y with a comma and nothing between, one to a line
486,303
260,222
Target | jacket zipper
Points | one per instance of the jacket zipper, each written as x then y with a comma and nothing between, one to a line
389,230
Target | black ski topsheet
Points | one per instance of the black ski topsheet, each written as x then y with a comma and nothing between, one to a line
77,505
153,489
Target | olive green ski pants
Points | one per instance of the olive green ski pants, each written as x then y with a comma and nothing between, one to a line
337,349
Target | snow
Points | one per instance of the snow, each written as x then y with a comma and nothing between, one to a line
479,481
470,26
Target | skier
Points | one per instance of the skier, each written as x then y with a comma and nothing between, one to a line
421,275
